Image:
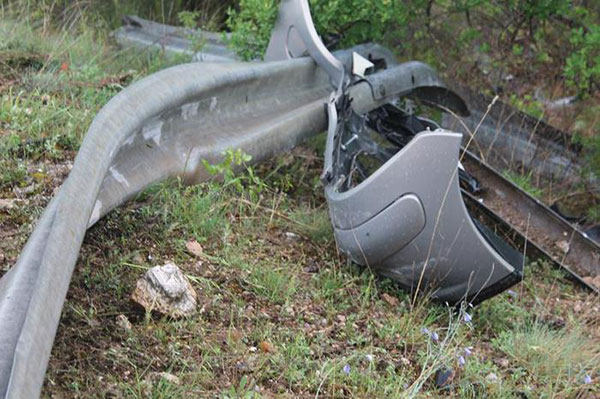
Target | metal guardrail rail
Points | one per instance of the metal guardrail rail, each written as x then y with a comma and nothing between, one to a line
161,126
548,235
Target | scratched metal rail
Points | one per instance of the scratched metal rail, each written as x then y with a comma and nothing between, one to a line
529,221
506,138
510,139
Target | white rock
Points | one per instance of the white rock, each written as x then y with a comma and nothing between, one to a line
123,322
170,378
291,236
492,377
7,203
563,246
165,289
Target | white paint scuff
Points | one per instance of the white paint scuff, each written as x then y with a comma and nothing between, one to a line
119,178
189,110
95,213
152,131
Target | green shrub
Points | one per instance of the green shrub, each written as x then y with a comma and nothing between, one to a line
582,68
346,22
251,27
540,9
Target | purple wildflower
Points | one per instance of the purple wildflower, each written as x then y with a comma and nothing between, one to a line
461,361
513,294
587,379
346,369
425,331
435,337
468,352
467,318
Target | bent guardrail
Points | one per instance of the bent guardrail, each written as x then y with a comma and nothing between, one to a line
159,127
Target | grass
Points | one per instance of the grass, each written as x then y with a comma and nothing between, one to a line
524,181
269,272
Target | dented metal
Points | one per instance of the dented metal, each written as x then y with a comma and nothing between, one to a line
159,127
396,207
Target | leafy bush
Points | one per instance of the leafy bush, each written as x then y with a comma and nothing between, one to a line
540,9
346,22
524,182
582,68
251,26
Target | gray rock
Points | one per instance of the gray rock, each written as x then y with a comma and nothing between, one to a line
492,377
165,289
155,378
123,322
7,203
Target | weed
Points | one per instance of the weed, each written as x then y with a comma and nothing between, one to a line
555,359
241,183
527,104
244,390
524,182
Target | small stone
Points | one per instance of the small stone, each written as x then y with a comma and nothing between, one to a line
444,377
311,269
502,362
194,248
123,322
138,259
155,378
7,203
563,246
242,366
391,300
266,347
166,290
492,377
291,236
